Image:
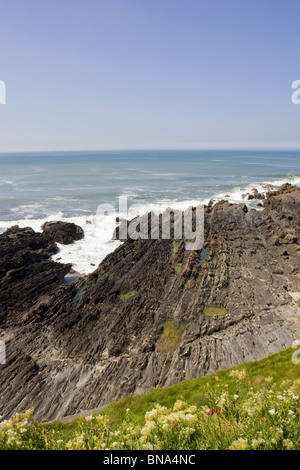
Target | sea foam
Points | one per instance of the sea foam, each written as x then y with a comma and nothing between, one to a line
86,254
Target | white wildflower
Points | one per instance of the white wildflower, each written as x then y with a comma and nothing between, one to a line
288,444
179,405
239,444
269,379
257,442
151,415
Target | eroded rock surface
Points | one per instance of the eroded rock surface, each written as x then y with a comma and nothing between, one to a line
138,322
63,232
27,273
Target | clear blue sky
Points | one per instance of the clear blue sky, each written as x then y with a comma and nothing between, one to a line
97,74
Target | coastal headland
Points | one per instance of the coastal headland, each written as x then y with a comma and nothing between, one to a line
152,313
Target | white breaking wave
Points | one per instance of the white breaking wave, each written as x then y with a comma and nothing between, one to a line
85,255
235,196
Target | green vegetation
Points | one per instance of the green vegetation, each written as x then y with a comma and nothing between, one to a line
178,267
129,294
176,244
291,298
215,311
170,336
254,406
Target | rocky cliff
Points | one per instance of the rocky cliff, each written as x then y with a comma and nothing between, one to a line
152,313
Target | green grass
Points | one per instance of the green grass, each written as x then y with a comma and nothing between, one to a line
215,311
279,366
253,390
129,294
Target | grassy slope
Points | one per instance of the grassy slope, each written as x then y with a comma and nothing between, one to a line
279,366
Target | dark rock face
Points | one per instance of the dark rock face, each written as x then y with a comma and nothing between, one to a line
63,232
21,247
26,272
105,336
255,195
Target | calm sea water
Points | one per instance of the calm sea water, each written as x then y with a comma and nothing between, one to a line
70,185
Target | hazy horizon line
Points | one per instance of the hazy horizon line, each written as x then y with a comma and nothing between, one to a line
141,149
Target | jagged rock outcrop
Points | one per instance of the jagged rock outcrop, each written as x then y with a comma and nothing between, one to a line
254,195
63,232
27,273
153,313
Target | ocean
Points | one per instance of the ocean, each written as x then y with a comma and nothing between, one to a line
70,186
